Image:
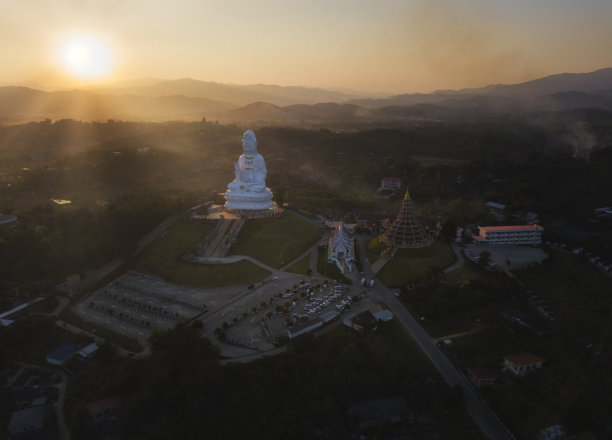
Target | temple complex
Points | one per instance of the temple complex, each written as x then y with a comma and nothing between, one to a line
247,194
406,231
341,249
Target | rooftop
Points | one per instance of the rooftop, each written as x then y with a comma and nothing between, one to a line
63,352
7,218
364,318
522,359
496,205
512,228
88,350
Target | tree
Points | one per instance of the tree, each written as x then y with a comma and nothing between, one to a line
485,259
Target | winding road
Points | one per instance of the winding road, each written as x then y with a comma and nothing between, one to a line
483,416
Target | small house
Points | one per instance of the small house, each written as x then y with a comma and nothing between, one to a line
522,363
61,355
363,321
481,376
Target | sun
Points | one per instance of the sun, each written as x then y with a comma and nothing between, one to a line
85,57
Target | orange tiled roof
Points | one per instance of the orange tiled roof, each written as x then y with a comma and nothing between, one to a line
511,228
522,359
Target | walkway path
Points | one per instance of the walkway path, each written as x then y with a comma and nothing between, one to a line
318,223
460,260
458,335
63,301
255,356
310,251
233,259
217,241
380,263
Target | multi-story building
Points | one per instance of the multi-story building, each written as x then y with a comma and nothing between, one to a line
389,183
522,234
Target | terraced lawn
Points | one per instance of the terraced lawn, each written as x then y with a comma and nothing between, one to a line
163,258
275,241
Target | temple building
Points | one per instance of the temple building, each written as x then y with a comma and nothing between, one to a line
406,231
248,194
341,249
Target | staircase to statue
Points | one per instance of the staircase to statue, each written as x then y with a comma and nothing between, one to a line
221,239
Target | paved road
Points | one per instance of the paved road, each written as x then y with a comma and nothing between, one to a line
63,301
484,417
457,264
252,357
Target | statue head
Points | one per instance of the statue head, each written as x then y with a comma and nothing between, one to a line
249,143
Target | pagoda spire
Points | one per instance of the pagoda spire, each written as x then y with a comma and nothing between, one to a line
406,231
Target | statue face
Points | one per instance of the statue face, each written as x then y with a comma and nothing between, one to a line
249,142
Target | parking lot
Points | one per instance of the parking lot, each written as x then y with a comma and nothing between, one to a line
135,304
255,317
507,257
261,318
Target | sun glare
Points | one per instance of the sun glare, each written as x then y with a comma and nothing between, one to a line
86,57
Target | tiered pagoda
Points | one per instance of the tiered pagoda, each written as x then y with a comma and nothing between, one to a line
406,231
341,248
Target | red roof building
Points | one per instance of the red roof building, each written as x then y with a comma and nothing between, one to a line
523,363
390,183
481,376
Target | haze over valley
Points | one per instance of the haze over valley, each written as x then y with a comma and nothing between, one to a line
306,220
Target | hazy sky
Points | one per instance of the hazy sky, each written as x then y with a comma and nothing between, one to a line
375,45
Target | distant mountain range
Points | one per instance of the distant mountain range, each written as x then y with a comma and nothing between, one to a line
189,99
236,95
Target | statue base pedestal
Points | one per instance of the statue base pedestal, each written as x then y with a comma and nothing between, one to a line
249,203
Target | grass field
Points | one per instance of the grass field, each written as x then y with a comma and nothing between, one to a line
163,258
301,267
374,249
275,241
412,264
578,291
329,269
394,344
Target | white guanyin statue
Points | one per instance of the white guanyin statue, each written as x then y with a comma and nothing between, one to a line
248,191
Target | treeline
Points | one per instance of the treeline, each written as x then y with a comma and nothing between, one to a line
181,391
50,241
